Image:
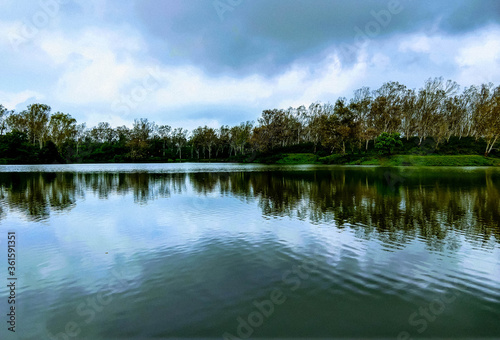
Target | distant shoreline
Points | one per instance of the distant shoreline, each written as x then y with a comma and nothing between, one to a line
311,159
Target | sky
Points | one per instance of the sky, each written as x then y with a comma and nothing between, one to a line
189,63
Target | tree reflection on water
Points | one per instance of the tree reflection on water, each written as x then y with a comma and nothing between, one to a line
396,204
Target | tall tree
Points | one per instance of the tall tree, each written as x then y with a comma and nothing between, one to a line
179,138
37,117
4,114
210,139
164,134
430,105
360,105
142,129
62,127
348,129
317,118
123,134
79,136
223,135
17,122
239,136
141,132
387,107
408,114
487,115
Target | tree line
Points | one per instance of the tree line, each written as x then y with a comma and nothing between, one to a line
437,111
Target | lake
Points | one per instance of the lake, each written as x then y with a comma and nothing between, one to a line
229,251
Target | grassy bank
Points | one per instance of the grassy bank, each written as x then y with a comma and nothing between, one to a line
454,152
442,160
298,158
396,160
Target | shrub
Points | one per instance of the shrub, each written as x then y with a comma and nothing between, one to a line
386,144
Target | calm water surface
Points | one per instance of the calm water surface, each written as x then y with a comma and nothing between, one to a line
237,251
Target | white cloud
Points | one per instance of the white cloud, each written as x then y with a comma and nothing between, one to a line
474,57
105,67
188,85
479,58
14,36
333,80
105,72
417,43
11,99
95,65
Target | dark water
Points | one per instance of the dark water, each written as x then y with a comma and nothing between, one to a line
235,251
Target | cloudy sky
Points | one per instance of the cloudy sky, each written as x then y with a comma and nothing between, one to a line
194,62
